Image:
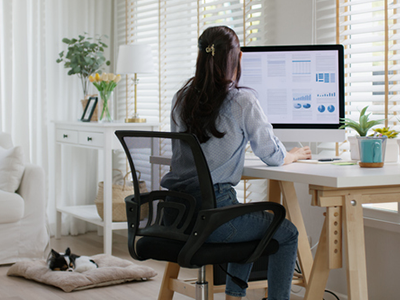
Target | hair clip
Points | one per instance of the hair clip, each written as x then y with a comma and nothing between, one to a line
211,49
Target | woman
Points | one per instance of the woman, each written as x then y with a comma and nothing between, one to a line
225,118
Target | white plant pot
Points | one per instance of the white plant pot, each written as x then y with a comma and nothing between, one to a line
391,154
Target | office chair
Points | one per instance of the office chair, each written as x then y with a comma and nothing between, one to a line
182,240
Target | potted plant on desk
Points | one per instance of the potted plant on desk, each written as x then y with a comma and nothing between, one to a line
370,150
392,144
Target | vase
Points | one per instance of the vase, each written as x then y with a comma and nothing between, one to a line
392,149
372,151
105,106
85,85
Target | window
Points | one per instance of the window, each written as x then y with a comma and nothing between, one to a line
369,32
367,29
137,22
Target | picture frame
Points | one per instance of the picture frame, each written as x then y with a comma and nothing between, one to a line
89,109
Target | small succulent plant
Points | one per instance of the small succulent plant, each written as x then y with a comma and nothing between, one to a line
363,124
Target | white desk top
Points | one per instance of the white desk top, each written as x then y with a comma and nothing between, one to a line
326,174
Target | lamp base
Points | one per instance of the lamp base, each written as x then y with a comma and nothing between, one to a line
135,120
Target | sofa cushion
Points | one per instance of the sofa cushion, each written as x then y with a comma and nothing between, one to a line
11,207
11,168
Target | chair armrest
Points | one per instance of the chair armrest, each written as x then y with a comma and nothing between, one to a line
155,224
209,220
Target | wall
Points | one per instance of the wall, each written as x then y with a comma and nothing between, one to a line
382,246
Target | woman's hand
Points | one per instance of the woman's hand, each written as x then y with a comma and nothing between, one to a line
297,153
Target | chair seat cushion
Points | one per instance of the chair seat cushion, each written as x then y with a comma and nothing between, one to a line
209,253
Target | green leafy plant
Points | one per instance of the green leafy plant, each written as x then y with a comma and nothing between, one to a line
363,124
84,57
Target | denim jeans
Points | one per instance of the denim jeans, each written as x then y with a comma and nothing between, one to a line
252,227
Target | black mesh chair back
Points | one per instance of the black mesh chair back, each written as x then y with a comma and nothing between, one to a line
183,239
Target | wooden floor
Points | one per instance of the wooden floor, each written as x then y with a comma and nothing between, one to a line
15,288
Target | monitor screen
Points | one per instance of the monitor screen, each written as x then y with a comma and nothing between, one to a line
299,87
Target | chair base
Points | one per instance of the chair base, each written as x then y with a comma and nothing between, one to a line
202,285
171,284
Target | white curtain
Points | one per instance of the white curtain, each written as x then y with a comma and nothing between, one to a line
35,90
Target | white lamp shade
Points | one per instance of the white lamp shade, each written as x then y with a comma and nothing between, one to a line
135,58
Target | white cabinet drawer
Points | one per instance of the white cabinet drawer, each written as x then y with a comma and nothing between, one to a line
91,138
67,136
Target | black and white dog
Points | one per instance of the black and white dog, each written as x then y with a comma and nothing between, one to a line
69,262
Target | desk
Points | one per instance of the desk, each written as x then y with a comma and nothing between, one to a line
342,190
91,135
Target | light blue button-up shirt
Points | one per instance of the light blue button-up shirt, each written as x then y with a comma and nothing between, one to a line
242,120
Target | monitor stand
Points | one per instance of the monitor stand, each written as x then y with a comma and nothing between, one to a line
310,135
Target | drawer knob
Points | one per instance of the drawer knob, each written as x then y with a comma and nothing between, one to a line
65,136
89,139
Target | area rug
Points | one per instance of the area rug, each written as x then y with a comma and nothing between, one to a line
112,270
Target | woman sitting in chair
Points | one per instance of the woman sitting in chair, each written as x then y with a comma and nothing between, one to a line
225,117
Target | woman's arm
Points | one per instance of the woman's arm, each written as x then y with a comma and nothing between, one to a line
297,153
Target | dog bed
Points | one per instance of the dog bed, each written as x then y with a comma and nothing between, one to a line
112,270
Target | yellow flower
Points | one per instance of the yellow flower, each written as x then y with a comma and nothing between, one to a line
104,77
117,78
97,77
91,78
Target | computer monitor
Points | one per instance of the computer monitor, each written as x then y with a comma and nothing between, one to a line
300,88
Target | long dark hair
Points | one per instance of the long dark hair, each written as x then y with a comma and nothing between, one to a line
200,99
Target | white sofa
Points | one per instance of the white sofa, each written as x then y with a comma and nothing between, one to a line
23,230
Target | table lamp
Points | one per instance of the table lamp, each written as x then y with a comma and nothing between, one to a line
134,59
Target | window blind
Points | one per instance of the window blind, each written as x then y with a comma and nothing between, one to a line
178,50
368,31
324,32
137,22
324,22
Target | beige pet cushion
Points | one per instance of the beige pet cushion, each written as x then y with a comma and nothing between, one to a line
112,270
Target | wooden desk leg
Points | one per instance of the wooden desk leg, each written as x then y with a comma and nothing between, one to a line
294,214
320,270
334,236
355,248
171,271
210,280
274,191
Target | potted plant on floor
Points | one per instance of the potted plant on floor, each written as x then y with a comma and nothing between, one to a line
370,150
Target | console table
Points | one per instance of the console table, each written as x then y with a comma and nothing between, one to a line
91,135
